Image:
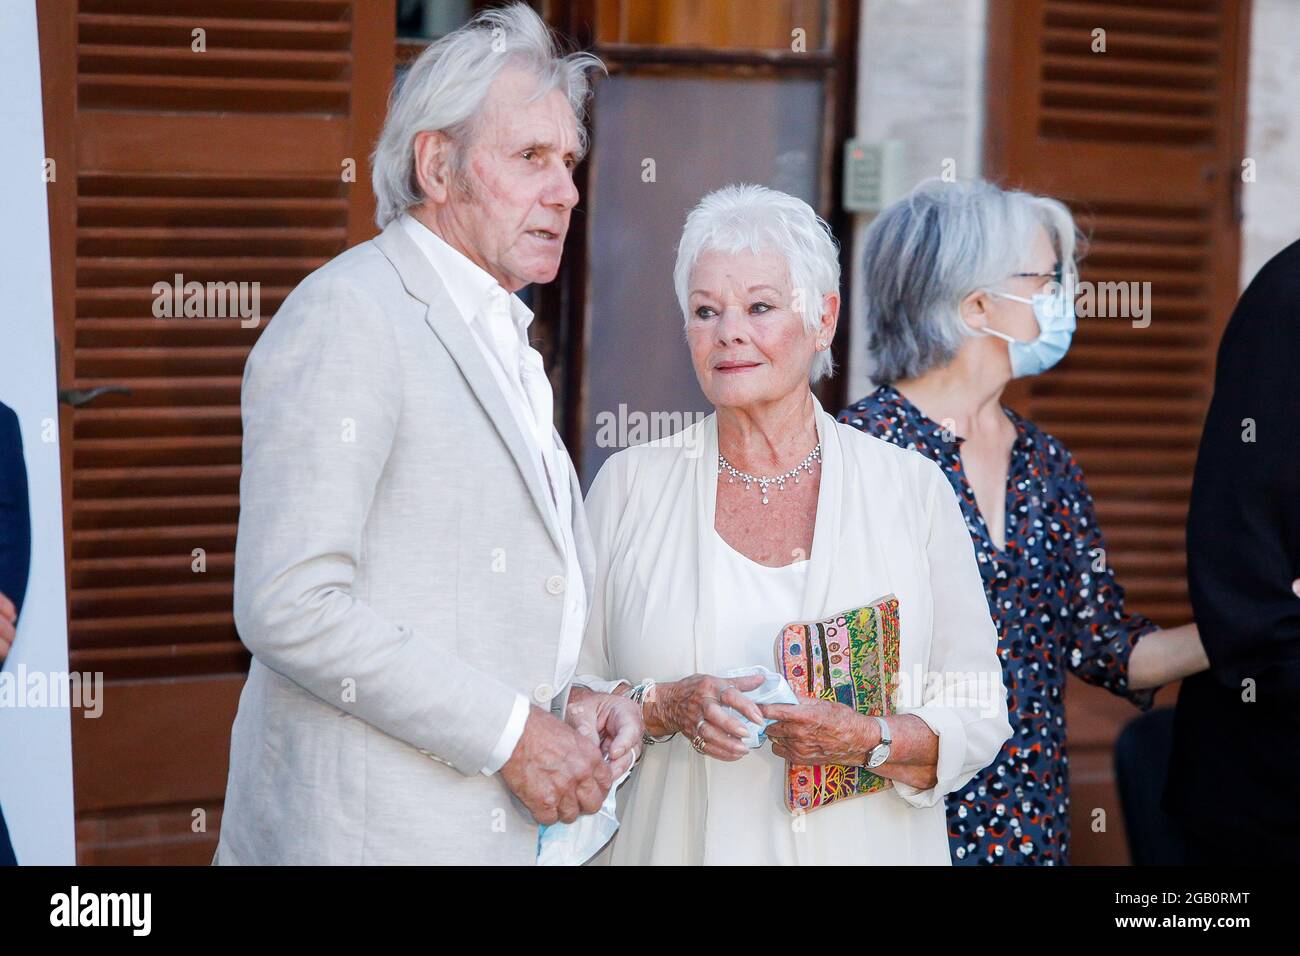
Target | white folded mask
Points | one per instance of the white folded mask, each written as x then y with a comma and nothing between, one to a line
573,844
775,689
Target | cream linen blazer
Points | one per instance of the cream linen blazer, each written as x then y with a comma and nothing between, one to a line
398,579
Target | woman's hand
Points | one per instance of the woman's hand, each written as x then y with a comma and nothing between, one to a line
1163,656
696,707
611,722
820,731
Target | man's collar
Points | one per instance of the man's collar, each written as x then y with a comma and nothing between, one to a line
469,285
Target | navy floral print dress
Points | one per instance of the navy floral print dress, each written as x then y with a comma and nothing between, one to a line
1057,607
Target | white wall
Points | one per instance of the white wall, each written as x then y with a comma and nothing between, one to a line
920,80
35,739
1272,203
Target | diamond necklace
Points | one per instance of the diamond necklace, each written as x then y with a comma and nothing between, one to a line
732,472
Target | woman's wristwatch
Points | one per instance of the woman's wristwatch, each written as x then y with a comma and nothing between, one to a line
640,694
880,752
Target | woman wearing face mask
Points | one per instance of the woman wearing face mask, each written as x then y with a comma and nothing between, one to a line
966,287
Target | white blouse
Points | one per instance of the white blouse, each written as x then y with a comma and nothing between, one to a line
747,822
672,599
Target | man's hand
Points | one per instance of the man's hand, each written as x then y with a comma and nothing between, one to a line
8,625
555,772
611,721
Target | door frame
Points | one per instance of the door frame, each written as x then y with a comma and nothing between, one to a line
565,333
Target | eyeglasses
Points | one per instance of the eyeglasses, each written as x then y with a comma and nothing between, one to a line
1057,273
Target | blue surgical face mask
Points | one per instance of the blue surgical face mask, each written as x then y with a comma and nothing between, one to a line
1055,314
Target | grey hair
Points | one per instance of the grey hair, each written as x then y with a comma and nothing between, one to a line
759,219
927,252
445,86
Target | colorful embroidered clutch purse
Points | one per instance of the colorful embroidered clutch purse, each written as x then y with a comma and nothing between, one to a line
851,658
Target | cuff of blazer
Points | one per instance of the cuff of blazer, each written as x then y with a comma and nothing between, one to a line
479,744
599,686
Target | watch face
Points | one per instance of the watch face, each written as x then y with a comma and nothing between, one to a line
879,754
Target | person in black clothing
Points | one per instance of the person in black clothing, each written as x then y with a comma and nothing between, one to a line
1234,773
15,553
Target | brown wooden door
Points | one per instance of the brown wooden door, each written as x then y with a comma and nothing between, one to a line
1144,141
225,142
710,92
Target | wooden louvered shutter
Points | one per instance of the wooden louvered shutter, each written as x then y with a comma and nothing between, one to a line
222,165
1144,143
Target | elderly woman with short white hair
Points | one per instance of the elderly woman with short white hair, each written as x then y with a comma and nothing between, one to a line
765,513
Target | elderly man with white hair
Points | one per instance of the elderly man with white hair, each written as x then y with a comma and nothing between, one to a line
769,512
413,566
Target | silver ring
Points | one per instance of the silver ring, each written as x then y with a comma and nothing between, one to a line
699,725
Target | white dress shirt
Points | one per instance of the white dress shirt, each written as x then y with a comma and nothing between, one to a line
499,322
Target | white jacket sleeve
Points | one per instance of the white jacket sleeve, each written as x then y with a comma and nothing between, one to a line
321,402
964,700
605,503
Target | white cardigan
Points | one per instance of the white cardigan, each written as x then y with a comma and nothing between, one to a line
887,521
